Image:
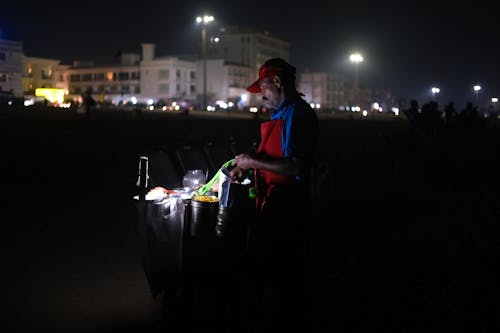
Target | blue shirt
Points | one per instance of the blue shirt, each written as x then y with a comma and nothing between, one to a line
299,136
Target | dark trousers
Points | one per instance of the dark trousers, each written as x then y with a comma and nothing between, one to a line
277,254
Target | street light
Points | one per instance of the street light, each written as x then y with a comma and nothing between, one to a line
435,90
204,20
477,88
494,101
356,58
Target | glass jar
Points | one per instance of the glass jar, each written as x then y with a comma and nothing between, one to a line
194,179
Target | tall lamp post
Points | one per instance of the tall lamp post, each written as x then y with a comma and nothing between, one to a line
494,100
434,90
356,58
477,88
204,20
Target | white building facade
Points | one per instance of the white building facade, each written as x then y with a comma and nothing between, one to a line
167,78
226,81
38,73
11,67
323,89
150,79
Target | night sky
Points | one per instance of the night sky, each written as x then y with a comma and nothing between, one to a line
408,46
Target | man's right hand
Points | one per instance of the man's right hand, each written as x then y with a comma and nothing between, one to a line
237,174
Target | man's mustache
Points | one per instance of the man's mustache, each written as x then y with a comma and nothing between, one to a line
264,98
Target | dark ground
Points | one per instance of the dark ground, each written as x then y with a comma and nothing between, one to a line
406,235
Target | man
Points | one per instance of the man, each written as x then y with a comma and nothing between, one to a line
278,238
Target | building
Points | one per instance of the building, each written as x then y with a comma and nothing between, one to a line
247,46
111,83
226,82
323,89
11,67
232,64
167,78
250,47
38,73
149,79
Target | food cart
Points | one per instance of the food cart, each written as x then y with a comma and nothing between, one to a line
193,251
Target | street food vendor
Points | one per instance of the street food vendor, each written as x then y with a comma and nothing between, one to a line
279,235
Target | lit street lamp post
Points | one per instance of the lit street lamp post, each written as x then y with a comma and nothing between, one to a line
494,102
356,58
204,20
477,88
434,90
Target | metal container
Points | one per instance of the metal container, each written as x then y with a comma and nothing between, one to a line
203,218
223,227
159,228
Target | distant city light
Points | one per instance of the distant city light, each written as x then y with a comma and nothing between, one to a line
222,104
477,88
435,90
494,99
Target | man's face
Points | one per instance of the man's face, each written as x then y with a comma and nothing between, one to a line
270,92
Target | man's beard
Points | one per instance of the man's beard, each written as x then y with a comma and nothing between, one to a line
268,103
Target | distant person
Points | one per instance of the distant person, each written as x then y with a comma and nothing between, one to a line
413,115
469,118
450,112
431,118
450,115
279,236
88,103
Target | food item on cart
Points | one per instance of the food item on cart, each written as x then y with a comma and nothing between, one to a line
206,198
157,193
159,189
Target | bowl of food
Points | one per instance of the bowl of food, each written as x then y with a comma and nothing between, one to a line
204,210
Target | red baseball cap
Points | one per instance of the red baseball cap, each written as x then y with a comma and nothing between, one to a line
271,68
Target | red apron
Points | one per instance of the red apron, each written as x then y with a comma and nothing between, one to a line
270,146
